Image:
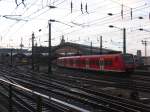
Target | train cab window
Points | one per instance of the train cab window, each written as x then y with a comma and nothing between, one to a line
128,58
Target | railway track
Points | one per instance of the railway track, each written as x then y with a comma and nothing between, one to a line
81,95
142,73
28,101
126,83
134,82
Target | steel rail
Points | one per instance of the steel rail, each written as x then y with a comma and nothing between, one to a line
73,96
44,96
115,102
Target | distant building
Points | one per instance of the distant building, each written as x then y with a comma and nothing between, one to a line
138,58
142,60
68,48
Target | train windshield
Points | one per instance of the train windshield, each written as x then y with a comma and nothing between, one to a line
128,58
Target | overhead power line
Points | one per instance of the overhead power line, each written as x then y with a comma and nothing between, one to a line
19,3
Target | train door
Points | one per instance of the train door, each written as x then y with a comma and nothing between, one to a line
101,64
87,63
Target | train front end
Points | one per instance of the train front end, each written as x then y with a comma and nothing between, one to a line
129,62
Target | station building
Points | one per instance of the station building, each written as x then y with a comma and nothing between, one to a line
68,49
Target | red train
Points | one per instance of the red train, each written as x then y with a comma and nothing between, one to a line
105,63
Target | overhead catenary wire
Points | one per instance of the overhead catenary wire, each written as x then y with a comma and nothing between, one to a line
100,23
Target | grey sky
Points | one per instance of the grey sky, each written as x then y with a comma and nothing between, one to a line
34,15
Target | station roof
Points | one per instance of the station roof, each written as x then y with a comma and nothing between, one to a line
84,49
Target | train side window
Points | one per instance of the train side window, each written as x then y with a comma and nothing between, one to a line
83,62
91,62
108,62
78,62
101,63
67,61
94,62
74,62
97,63
87,62
71,62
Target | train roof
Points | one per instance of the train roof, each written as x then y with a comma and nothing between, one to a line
84,56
